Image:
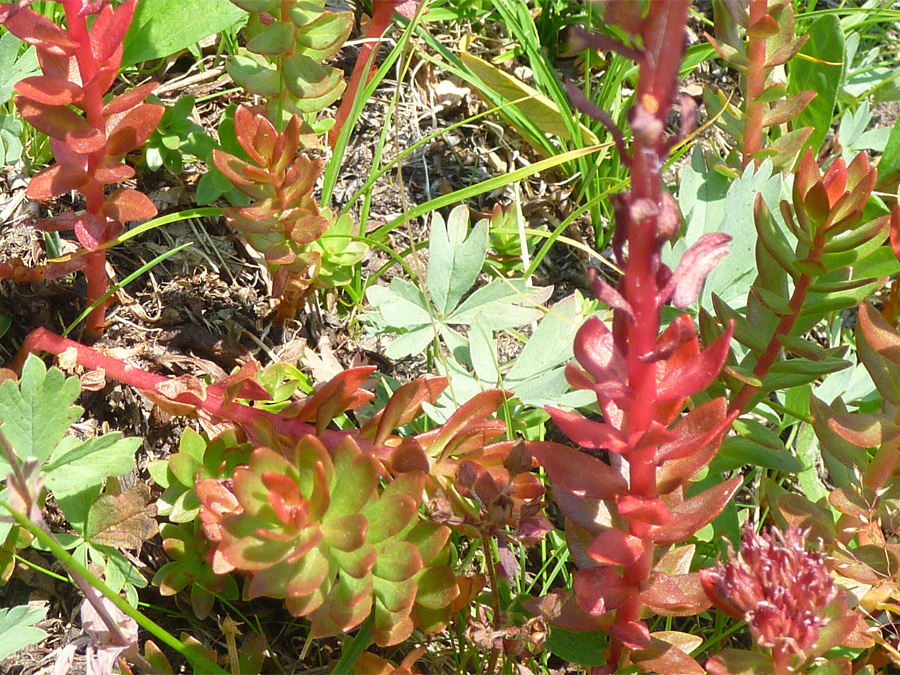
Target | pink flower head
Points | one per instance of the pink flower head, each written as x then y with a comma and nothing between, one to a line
778,587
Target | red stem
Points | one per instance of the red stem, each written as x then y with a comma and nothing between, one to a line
213,403
382,12
658,76
756,84
95,269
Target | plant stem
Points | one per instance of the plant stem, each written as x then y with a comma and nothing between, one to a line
785,325
756,84
77,570
95,270
657,78
495,601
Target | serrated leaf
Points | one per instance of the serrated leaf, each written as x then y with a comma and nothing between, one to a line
455,257
125,520
37,412
17,629
74,466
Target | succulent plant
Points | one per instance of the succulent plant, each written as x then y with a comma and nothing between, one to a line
287,40
317,530
189,549
284,220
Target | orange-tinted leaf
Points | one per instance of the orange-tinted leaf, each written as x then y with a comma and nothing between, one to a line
48,90
113,173
55,121
56,180
578,472
691,515
676,595
615,547
38,30
109,30
404,406
125,204
588,433
699,372
867,430
666,659
133,129
130,99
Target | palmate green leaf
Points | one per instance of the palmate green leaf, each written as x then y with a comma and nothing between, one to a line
74,465
163,27
37,411
503,304
14,67
402,304
455,257
17,629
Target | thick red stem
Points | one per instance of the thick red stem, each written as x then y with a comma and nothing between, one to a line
95,269
756,84
662,32
213,403
381,18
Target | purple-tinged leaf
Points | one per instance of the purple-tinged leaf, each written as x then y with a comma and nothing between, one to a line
600,589
609,295
697,262
589,108
581,40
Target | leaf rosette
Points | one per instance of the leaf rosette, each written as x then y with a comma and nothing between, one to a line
318,530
